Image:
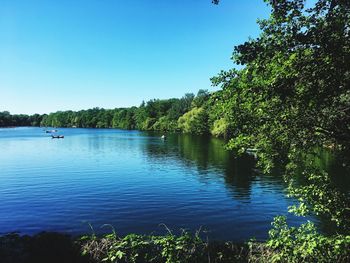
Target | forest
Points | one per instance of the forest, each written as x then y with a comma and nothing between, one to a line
8,120
290,98
189,114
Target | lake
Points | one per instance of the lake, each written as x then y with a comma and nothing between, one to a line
135,182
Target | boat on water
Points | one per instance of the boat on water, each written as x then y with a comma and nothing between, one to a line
57,136
252,151
50,131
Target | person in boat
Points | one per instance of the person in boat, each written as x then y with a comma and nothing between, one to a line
57,136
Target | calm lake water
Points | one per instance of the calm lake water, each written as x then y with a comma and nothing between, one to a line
133,181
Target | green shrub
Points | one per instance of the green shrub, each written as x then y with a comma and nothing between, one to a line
304,244
168,249
195,121
220,128
164,124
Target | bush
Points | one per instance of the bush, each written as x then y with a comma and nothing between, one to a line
220,128
303,244
168,249
195,121
164,124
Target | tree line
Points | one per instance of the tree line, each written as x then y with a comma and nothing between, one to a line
154,114
8,120
189,114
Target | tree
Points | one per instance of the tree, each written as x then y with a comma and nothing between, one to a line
195,121
293,96
201,98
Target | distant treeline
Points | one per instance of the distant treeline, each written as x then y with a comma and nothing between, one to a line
189,114
8,120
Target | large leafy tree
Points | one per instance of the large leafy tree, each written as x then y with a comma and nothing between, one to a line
293,96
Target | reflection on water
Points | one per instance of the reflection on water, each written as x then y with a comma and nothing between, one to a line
212,162
336,168
133,181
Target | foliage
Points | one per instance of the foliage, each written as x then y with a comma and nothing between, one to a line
195,121
8,120
317,194
165,124
220,128
293,91
167,248
160,115
124,119
304,244
201,98
181,106
292,97
285,244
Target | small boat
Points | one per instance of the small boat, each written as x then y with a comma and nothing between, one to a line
252,152
163,137
50,131
57,136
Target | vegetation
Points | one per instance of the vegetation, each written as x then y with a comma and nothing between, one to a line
188,114
286,245
168,249
8,120
291,98
304,244
194,121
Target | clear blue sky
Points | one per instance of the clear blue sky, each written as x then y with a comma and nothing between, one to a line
65,54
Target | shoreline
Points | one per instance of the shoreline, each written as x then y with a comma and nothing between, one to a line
59,247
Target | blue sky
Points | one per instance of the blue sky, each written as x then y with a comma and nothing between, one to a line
61,55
